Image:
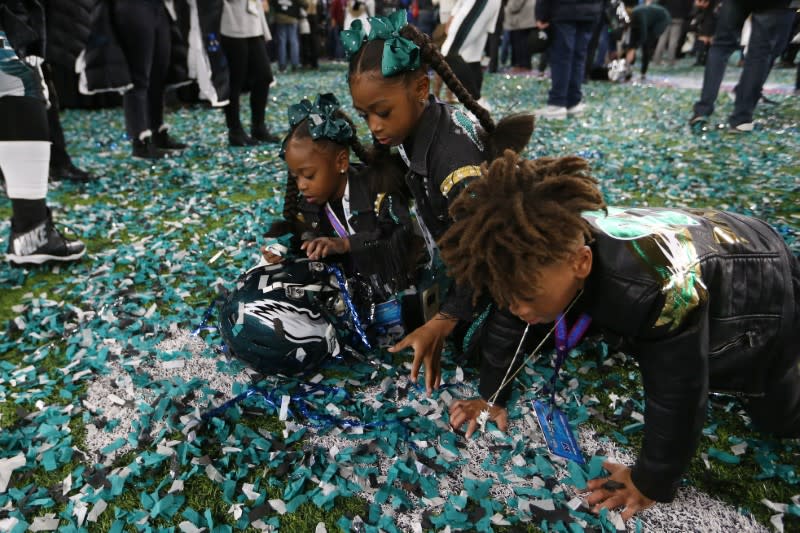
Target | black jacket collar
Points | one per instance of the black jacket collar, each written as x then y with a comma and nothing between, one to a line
418,145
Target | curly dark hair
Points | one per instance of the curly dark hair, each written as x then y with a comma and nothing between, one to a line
519,215
512,132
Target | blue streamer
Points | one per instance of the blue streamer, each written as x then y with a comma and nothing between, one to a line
204,323
300,398
350,307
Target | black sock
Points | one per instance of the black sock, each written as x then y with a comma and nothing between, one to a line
27,214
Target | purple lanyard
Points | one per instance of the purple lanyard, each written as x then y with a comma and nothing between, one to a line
334,220
566,341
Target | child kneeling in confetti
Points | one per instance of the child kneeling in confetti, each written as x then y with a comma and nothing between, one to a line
443,149
704,300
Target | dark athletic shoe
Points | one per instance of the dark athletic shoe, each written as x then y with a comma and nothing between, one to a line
69,172
42,244
163,141
262,134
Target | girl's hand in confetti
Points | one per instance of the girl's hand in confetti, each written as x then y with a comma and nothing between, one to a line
467,412
427,342
325,246
615,491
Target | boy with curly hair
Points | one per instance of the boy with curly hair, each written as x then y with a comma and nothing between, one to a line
704,300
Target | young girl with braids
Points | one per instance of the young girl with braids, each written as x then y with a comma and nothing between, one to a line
704,300
443,150
331,207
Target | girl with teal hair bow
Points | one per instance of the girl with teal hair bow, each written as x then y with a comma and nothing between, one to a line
443,150
338,210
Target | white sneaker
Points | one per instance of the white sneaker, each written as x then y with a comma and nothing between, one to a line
576,110
551,112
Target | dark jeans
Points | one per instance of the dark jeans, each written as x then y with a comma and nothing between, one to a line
249,62
520,56
567,61
143,30
763,38
286,37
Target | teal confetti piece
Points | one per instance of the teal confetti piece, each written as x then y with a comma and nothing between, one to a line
725,457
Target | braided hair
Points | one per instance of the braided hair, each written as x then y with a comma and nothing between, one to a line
518,216
512,132
291,201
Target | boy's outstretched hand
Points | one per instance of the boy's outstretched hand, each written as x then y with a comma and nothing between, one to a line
467,412
617,490
427,342
325,246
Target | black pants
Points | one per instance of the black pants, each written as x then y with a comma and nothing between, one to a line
470,74
249,62
58,147
309,44
143,30
520,56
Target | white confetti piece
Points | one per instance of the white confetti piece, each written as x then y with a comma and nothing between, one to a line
188,527
278,505
247,490
739,449
177,486
321,528
236,511
213,474
284,407
48,522
174,364
777,522
7,466
215,257
99,506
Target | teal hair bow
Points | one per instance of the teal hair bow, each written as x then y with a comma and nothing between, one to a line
322,120
399,54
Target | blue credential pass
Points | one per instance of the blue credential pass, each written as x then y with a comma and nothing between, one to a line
557,432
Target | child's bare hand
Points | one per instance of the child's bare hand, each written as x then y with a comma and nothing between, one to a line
269,256
325,246
467,412
427,342
617,490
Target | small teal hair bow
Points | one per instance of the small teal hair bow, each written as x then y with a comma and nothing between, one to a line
399,54
322,121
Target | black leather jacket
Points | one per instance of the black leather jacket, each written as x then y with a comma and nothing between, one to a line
705,301
443,155
383,245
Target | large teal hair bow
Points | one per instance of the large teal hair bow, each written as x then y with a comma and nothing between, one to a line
399,54
322,121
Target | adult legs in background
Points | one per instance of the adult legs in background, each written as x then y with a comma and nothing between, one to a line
236,52
726,41
583,34
674,34
561,53
282,42
144,35
61,166
519,49
24,162
294,45
260,78
765,33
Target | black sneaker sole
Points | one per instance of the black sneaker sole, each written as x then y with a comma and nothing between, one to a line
38,259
